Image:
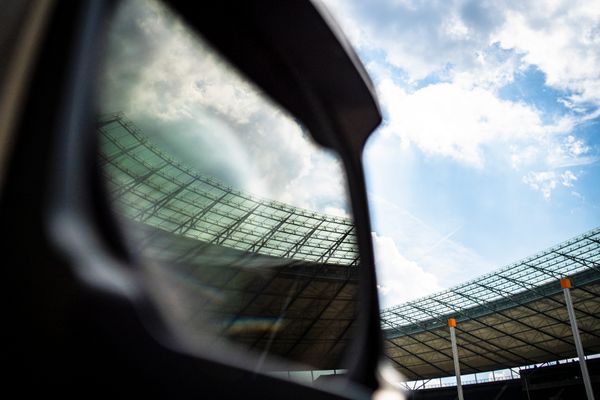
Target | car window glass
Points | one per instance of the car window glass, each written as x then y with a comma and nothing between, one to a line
239,219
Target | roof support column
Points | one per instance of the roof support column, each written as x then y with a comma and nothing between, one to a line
452,326
565,283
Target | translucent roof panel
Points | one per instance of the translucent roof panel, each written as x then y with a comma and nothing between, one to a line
566,259
153,188
512,317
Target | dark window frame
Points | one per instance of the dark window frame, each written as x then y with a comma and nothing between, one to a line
81,262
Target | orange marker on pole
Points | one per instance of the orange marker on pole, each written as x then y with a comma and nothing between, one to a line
565,283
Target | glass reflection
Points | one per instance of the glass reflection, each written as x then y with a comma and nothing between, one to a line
238,218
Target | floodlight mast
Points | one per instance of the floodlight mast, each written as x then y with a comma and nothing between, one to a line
566,285
452,326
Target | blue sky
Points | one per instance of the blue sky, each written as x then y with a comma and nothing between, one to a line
490,145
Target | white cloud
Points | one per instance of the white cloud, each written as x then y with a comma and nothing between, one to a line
567,178
448,120
422,38
562,38
468,51
544,181
180,92
547,181
455,38
491,69
576,147
400,279
569,152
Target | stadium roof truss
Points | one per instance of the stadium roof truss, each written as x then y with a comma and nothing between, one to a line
262,273
157,190
303,274
514,316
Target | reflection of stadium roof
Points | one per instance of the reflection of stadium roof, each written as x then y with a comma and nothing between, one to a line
514,316
159,191
263,273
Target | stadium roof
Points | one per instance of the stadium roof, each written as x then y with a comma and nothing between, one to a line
156,189
511,317
274,276
264,274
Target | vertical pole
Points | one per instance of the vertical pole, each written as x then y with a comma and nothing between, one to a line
452,326
565,283
524,377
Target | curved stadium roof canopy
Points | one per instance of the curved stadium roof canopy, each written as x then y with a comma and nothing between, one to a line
269,275
514,316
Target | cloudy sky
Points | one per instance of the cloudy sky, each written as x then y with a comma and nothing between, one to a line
489,150
490,146
194,105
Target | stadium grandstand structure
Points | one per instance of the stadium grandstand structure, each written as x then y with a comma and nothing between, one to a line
261,273
512,317
268,275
